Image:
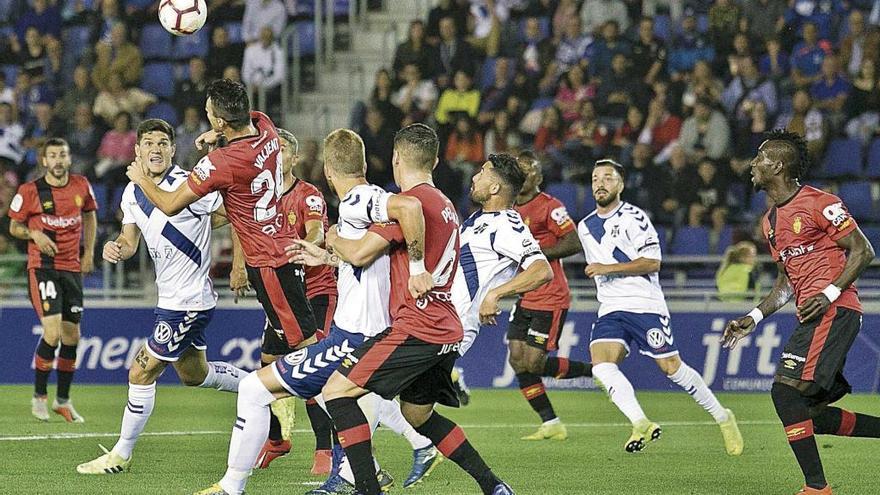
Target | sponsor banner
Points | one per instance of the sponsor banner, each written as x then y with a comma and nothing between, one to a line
112,337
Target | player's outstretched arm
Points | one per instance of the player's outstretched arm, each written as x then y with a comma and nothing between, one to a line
860,254
124,246
777,298
357,252
537,274
169,202
309,254
638,266
567,245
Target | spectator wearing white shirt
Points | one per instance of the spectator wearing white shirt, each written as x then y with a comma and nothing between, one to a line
416,97
11,135
259,14
264,66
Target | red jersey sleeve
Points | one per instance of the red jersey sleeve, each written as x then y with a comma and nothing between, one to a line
391,232
24,203
89,201
559,222
312,205
831,215
206,176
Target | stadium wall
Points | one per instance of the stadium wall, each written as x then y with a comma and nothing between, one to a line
113,334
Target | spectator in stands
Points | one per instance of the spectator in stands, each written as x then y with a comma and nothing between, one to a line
187,155
264,67
415,50
116,151
42,126
689,47
606,47
7,93
33,58
226,10
82,92
742,48
534,50
484,25
453,9
453,54
11,136
830,93
192,91
27,95
551,132
859,44
84,138
661,129
585,140
765,17
619,90
775,63
573,90
575,48
222,53
119,57
807,121
43,16
749,133
12,11
117,98
819,13
806,58
864,103
462,97
747,89
737,274
645,183
259,14
232,73
674,9
464,148
648,53
595,14
494,97
723,22
627,134
701,83
381,99
378,139
708,201
675,195
501,137
705,133
111,15
416,97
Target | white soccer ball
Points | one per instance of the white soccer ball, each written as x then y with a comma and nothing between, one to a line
183,17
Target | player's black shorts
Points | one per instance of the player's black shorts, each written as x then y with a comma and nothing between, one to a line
274,343
537,328
56,292
396,363
816,352
282,293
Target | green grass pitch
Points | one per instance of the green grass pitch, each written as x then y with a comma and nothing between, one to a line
188,434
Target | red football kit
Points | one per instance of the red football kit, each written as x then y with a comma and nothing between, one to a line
300,204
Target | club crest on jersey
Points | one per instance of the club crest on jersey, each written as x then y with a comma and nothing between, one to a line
162,333
796,226
291,218
78,201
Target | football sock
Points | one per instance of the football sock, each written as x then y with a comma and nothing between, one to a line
835,421
223,377
320,424
562,368
355,436
533,390
792,409
274,423
44,357
452,443
141,399
248,433
692,383
391,417
66,367
620,390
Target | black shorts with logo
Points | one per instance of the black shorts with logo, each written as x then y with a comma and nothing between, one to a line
816,352
536,328
396,363
56,292
275,344
282,293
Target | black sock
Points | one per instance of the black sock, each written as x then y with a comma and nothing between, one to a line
355,437
562,368
43,359
532,389
794,412
835,421
66,368
320,424
452,443
274,423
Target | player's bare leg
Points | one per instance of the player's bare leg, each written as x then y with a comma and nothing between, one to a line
44,361
687,378
66,366
281,422
606,356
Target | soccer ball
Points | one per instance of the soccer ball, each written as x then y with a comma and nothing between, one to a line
182,17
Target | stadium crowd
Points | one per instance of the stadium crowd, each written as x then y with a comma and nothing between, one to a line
680,92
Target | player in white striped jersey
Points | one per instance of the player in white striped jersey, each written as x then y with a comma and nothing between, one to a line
180,247
622,251
495,245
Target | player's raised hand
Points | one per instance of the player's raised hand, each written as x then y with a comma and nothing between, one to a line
112,252
208,139
813,308
489,309
135,171
44,244
306,253
238,282
737,329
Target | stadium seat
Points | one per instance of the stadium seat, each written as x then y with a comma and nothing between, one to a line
137,4
872,170
873,235
116,199
102,198
843,158
305,31
194,45
663,27
163,110
233,29
75,40
691,241
758,205
662,236
567,193
11,72
858,200
155,42
725,239
159,79
340,8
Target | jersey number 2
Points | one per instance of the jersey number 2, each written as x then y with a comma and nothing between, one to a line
273,185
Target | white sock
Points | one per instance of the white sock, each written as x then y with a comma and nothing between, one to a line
223,376
370,404
141,399
620,390
692,383
248,434
391,417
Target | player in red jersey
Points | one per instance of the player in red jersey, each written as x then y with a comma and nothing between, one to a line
413,358
52,213
810,233
538,317
247,172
